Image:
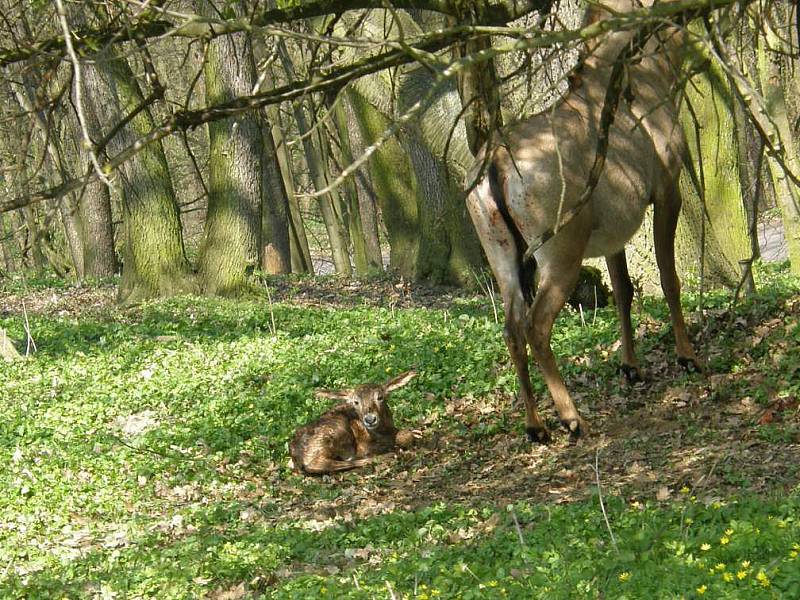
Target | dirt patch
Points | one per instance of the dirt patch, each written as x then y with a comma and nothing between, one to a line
72,301
704,436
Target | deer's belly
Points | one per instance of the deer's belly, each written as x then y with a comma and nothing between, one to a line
614,226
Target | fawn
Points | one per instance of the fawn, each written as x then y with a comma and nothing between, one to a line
348,435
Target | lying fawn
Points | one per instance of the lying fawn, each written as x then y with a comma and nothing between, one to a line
349,434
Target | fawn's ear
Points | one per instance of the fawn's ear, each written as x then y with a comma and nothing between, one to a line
333,394
399,381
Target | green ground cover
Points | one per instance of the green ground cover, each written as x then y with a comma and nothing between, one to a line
144,452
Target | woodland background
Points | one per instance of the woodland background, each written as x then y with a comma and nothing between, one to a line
173,172
188,145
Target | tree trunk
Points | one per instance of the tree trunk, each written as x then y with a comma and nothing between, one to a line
319,177
479,88
716,161
154,262
275,226
99,256
301,255
395,189
430,235
367,204
236,179
6,238
777,79
351,191
33,235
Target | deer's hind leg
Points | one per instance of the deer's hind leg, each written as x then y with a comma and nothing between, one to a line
623,297
501,252
321,464
559,271
665,221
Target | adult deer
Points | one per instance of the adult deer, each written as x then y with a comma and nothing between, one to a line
579,176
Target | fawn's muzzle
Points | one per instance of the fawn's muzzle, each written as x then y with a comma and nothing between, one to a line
370,420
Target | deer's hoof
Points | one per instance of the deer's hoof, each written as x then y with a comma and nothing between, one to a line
577,429
538,435
632,373
690,365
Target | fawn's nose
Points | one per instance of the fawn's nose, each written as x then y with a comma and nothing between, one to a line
371,420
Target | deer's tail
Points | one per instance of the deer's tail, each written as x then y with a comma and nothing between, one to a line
526,269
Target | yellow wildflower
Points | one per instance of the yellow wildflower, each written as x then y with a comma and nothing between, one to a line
741,575
793,554
729,532
795,546
702,589
762,579
720,566
684,490
705,547
781,524
492,583
727,576
724,540
745,564
624,576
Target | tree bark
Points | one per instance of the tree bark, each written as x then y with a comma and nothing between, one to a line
367,204
5,244
430,234
716,160
319,177
276,221
237,173
351,191
301,255
777,80
154,261
99,256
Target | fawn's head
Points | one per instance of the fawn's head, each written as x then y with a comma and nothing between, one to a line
369,401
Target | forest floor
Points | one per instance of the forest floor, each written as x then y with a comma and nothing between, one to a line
147,450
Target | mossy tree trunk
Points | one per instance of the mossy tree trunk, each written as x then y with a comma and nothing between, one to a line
430,235
238,174
301,255
6,239
154,262
328,203
779,84
395,189
367,202
715,158
351,192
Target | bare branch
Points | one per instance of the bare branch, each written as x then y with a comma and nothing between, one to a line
153,23
336,78
76,68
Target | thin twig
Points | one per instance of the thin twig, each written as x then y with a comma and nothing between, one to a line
600,497
31,342
518,528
